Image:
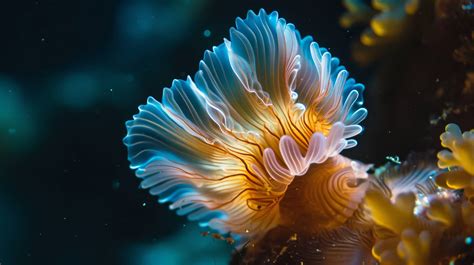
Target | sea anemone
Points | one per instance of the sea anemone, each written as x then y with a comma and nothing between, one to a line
253,141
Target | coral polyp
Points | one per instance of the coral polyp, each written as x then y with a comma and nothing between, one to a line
459,160
432,224
388,20
461,146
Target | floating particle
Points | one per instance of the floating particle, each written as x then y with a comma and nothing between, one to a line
468,240
116,184
468,7
77,89
294,237
217,236
207,33
394,159
230,240
16,118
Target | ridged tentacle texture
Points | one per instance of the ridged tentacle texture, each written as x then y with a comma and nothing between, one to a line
265,108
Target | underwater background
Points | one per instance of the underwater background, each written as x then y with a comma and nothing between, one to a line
72,72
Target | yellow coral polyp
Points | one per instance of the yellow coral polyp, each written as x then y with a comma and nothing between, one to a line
383,5
412,6
358,12
461,146
369,38
459,159
389,24
441,211
408,244
394,216
405,238
414,247
387,19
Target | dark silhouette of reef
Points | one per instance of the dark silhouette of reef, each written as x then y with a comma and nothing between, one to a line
422,78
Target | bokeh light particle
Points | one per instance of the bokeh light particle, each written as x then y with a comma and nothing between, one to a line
468,240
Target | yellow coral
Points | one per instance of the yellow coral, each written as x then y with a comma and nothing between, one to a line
358,12
414,247
461,146
395,216
405,242
442,212
460,160
388,19
406,238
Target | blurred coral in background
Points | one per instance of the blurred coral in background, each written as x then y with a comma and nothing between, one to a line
419,52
